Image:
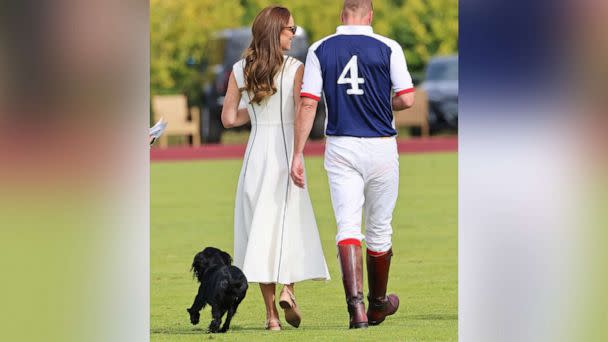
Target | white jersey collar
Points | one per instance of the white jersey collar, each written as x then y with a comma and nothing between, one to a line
354,29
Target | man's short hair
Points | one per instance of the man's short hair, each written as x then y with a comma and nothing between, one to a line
358,7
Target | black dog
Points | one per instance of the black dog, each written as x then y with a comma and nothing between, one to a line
223,286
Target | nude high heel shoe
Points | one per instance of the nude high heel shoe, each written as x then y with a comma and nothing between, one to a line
288,303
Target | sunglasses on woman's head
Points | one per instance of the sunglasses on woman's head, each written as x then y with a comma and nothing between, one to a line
291,28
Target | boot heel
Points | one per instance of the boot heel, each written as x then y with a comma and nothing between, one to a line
361,325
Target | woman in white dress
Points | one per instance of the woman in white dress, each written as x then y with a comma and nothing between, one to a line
276,240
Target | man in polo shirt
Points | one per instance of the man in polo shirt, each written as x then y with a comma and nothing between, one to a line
357,71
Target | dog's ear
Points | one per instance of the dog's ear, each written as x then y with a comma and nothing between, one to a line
199,264
227,258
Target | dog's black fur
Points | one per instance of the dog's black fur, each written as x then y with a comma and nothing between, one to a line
222,286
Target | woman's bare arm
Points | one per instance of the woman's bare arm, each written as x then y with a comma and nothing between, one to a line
231,115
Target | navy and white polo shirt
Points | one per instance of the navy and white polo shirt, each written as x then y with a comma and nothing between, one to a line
356,70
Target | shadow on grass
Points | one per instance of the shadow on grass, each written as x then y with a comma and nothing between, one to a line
203,330
433,317
184,331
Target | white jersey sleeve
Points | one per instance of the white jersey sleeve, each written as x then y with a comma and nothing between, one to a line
400,76
313,81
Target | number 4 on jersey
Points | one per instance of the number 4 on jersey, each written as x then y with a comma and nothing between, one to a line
354,80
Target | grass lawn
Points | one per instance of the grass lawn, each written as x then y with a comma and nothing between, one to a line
192,207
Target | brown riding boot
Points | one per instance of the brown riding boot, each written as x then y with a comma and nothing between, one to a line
380,305
351,264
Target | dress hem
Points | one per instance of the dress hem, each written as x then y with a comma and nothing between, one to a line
287,283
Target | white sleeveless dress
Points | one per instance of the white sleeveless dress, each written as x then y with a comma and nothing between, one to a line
275,233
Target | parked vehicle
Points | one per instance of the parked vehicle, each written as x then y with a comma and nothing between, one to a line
224,49
441,86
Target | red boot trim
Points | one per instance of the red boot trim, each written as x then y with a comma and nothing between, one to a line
349,242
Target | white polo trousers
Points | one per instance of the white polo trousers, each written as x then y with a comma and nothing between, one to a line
363,179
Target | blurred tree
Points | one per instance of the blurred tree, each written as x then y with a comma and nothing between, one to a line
179,29
318,18
425,28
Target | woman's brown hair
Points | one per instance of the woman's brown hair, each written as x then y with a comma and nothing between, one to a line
264,57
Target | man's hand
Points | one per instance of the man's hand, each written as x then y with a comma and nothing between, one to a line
297,170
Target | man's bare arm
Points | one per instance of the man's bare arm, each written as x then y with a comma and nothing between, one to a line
304,120
403,101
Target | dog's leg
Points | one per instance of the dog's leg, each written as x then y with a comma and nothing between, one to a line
199,303
217,314
231,313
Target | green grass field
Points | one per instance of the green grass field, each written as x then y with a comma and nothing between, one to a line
192,207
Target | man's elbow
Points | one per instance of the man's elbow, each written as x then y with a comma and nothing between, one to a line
228,122
408,102
404,102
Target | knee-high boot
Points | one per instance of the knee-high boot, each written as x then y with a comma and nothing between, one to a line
380,305
351,263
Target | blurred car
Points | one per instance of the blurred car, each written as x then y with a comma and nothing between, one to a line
226,48
441,86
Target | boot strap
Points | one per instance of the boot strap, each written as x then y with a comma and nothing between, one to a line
377,304
352,301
